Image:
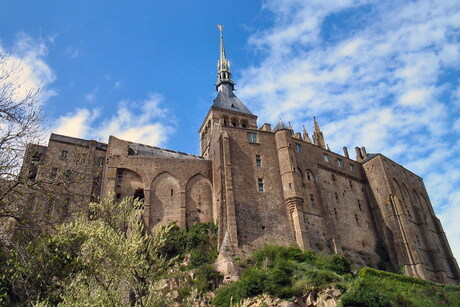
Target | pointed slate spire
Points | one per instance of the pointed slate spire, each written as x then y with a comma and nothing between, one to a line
224,76
280,126
306,137
290,128
318,137
226,99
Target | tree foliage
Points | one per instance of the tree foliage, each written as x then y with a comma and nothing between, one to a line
107,259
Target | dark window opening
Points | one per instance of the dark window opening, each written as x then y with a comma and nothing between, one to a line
32,172
118,195
308,176
258,161
54,172
336,197
139,194
64,154
359,205
260,184
172,192
100,161
68,175
357,219
36,157
312,200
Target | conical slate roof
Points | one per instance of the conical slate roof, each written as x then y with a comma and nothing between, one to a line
280,126
227,100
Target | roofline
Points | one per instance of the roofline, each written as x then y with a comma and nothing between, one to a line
379,154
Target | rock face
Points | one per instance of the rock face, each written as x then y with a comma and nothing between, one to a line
326,298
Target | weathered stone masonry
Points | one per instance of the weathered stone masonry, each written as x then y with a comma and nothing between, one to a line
260,185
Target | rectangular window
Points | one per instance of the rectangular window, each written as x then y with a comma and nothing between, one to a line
252,137
100,161
64,154
326,158
68,175
340,163
258,161
298,147
352,168
53,173
260,184
312,200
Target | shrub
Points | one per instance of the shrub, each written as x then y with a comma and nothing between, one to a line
337,263
364,294
316,281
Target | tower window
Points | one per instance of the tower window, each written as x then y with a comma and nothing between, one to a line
258,161
260,184
252,137
352,168
359,205
100,161
53,173
340,163
326,158
68,175
64,154
298,147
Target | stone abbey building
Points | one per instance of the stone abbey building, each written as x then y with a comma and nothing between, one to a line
260,185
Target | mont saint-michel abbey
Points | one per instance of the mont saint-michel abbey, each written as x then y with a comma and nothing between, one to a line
259,184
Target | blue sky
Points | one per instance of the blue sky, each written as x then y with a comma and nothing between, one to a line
380,74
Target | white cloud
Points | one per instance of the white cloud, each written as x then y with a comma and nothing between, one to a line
144,122
31,72
75,124
385,83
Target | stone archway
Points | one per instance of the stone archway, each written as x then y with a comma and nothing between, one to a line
164,200
198,200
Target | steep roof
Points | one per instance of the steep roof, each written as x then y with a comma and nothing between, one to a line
227,100
280,126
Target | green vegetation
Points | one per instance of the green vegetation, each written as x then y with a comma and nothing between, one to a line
285,272
109,260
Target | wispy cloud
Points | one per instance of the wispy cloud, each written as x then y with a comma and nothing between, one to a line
31,71
137,121
380,74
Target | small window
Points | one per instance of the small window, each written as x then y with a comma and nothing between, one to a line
352,168
312,200
258,161
308,176
36,157
351,184
359,205
298,147
252,137
340,163
260,184
53,173
326,158
64,154
336,197
100,161
68,175
357,219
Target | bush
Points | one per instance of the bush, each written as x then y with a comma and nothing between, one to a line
364,294
316,281
337,263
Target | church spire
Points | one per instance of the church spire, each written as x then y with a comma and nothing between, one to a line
224,75
318,137
306,137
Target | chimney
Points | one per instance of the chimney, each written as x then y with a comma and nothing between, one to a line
363,149
345,152
359,154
